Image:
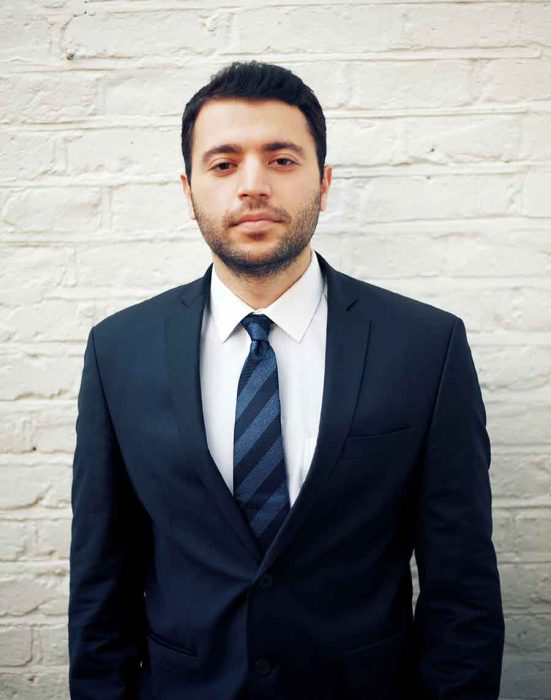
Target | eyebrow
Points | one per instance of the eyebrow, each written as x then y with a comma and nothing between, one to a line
269,147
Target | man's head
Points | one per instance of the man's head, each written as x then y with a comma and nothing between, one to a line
254,144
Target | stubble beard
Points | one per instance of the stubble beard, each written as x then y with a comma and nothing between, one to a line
298,234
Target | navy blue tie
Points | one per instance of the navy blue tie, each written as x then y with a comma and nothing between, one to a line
259,480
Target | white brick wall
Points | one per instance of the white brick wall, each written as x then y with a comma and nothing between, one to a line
439,119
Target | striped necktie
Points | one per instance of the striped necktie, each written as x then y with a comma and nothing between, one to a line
259,480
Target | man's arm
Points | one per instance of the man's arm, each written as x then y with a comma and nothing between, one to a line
458,616
108,552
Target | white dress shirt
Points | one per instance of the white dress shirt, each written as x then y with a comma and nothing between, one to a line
298,338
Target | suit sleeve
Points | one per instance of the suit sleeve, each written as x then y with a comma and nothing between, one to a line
458,616
107,557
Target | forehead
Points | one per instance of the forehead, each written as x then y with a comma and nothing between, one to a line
249,123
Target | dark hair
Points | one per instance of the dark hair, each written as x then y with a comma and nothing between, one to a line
257,81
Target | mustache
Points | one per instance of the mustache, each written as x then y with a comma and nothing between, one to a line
276,213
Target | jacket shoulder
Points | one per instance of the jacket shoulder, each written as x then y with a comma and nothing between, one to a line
146,313
398,308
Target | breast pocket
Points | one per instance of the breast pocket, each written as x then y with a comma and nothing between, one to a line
372,446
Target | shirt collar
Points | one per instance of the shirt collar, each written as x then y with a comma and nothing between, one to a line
292,311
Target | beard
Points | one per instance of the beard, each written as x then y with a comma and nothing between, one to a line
288,246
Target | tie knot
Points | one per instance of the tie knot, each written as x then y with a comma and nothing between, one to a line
257,326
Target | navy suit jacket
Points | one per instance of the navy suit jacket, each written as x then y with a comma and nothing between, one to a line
170,596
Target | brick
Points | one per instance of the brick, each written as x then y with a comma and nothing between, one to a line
435,197
52,210
22,487
503,531
165,264
22,594
457,25
461,139
525,587
24,37
15,434
149,92
536,199
26,156
140,209
289,29
54,643
130,151
364,142
533,531
516,423
514,80
32,270
401,85
129,34
53,430
15,645
528,634
520,476
58,494
513,367
535,24
395,254
24,375
535,132
46,97
16,539
526,676
53,320
34,684
326,77
54,538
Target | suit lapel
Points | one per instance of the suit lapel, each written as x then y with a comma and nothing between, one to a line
347,334
183,336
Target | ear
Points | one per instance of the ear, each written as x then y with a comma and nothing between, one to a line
187,193
325,184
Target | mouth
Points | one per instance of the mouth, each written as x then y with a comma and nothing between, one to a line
256,222
256,219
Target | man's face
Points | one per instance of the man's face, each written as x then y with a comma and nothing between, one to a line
256,159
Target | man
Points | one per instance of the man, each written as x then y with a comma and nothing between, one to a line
260,452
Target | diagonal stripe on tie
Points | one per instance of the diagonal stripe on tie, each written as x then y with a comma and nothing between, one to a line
266,465
251,458
255,406
256,381
257,427
270,510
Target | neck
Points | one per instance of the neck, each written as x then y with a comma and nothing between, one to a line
257,292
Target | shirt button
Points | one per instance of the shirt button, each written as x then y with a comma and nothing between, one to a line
265,582
263,666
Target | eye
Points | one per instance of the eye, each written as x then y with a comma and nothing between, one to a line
221,166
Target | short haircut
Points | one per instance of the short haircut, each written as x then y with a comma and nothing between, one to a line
257,81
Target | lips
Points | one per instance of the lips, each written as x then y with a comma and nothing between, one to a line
255,217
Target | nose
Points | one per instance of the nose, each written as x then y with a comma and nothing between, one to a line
253,179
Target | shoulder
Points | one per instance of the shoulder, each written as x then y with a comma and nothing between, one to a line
382,304
145,316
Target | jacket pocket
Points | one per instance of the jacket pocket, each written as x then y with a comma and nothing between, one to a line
376,663
381,444
171,656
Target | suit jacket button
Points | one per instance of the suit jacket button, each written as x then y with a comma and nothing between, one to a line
263,666
265,582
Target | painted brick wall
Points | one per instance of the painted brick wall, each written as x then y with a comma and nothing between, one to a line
439,118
